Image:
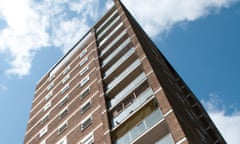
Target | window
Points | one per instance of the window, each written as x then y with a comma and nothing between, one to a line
65,79
85,93
48,96
66,69
117,110
82,62
85,107
83,71
47,106
63,100
62,128
43,132
62,141
50,86
89,139
50,78
65,88
86,123
83,53
124,104
43,142
45,118
84,81
63,113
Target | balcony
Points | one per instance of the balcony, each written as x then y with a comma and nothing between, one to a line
120,25
123,75
109,19
143,126
138,102
128,89
110,45
116,52
128,54
167,139
100,35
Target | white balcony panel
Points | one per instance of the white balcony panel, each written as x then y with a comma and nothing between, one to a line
110,45
168,139
139,101
141,127
128,89
108,27
119,62
106,21
123,75
115,52
111,33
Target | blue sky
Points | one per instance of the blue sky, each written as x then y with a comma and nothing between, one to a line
199,38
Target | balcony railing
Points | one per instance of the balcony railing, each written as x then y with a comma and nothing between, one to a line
167,139
106,21
123,75
111,33
140,128
128,89
110,45
108,27
115,52
139,101
119,62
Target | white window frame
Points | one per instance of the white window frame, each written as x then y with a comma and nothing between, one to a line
49,95
64,100
45,118
64,125
89,139
47,106
66,69
50,78
65,88
84,91
63,112
83,53
66,78
85,120
62,141
43,131
43,142
50,86
84,70
82,62
84,81
84,106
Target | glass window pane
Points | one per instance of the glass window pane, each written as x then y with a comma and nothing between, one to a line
124,139
137,130
153,118
166,140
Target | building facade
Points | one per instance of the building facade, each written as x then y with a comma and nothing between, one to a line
114,86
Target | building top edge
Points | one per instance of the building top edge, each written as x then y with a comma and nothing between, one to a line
75,47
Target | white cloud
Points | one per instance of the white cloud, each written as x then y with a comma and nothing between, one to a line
109,4
228,124
85,7
158,16
3,87
69,33
23,35
32,24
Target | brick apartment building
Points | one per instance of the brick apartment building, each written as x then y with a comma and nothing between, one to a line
115,86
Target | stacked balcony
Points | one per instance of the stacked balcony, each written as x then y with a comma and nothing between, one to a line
127,91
